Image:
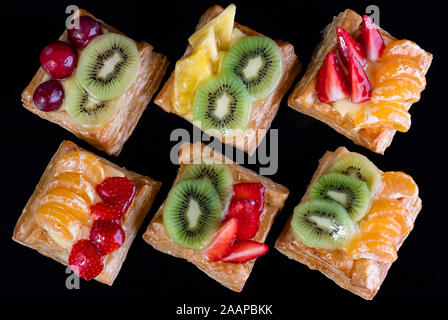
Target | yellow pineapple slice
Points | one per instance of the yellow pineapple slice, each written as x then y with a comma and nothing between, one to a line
208,42
237,34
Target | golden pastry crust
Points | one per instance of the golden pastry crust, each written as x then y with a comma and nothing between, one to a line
304,98
231,275
264,111
30,234
112,136
362,277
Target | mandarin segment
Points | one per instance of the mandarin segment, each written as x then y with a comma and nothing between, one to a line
401,68
403,48
372,246
396,90
387,227
397,185
394,209
82,162
75,182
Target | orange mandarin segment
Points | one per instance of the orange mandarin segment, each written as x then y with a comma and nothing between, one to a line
401,68
59,224
387,227
82,162
397,184
71,202
403,48
372,246
396,90
394,209
75,182
390,114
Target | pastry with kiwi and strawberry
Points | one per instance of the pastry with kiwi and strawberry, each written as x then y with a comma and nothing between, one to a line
231,79
95,82
362,81
217,215
85,213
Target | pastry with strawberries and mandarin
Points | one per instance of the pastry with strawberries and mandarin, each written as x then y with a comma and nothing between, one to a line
95,82
85,213
231,79
217,215
362,81
351,221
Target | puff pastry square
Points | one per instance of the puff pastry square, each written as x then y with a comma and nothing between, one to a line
304,98
263,111
231,275
112,136
362,277
30,234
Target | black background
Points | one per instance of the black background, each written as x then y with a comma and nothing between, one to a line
28,142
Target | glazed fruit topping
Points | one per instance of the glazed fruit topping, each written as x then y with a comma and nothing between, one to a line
59,59
116,190
244,251
108,236
107,211
49,95
85,260
88,29
246,211
223,241
371,39
361,90
331,82
348,47
246,191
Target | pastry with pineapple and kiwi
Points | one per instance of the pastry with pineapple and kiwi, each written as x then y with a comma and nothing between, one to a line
95,82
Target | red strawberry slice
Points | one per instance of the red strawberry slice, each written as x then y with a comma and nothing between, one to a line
246,191
85,260
331,83
371,39
223,240
246,211
348,47
116,190
361,90
107,211
108,236
246,250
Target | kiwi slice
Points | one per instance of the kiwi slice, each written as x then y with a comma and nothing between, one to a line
322,224
352,194
84,109
218,175
221,104
192,213
357,166
257,62
108,65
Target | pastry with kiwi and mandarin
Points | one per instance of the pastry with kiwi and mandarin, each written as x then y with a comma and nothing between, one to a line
362,81
217,215
85,213
351,221
95,82
231,79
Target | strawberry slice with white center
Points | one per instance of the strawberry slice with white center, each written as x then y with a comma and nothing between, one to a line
223,241
243,251
348,47
361,90
246,211
331,83
247,191
371,39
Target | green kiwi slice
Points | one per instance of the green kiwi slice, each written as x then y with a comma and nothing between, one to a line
84,109
322,224
218,175
108,65
257,62
357,166
352,194
192,213
221,105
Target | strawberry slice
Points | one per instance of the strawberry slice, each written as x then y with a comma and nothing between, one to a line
371,39
361,90
85,260
116,190
108,236
107,211
348,47
246,211
223,241
246,191
246,250
331,83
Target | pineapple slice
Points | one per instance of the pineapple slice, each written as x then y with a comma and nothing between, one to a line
222,25
208,42
237,34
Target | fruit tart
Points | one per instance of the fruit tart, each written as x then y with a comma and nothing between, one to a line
217,215
351,221
85,212
230,80
362,81
95,82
